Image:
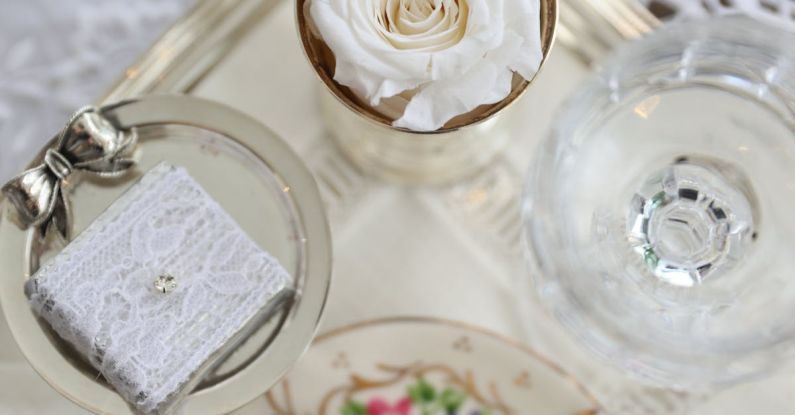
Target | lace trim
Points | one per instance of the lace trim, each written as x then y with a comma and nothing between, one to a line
99,295
774,11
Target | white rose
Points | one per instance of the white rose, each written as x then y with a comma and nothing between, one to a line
442,58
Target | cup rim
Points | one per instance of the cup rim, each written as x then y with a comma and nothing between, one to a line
548,27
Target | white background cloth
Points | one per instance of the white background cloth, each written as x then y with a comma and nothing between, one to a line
56,56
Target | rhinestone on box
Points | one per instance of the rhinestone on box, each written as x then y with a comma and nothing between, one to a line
165,283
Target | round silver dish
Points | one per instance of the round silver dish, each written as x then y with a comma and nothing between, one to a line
258,179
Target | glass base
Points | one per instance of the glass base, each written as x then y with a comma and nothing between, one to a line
659,214
692,220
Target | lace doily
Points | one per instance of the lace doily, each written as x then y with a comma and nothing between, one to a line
777,11
56,56
100,294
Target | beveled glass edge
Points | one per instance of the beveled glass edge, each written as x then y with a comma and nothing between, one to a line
190,48
591,29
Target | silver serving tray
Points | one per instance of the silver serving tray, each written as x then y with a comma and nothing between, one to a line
450,252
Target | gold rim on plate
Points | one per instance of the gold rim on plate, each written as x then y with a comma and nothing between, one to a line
596,406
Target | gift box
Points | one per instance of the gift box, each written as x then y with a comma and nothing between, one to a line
159,289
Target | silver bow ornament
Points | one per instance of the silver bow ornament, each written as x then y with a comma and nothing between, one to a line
90,143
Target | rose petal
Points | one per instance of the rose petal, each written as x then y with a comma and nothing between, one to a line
487,83
442,28
378,72
524,19
484,32
440,58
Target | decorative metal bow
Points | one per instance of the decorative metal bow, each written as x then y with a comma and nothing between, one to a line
89,142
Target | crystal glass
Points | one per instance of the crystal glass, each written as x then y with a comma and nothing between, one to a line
658,214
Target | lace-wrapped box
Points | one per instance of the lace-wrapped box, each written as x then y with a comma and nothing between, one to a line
162,286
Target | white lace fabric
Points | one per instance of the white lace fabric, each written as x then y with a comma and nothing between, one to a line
56,56
99,293
781,12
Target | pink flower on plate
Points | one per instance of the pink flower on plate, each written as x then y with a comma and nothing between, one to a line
378,406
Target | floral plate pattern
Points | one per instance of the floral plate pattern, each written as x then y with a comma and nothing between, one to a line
415,366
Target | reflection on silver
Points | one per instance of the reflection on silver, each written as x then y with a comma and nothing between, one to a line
89,142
